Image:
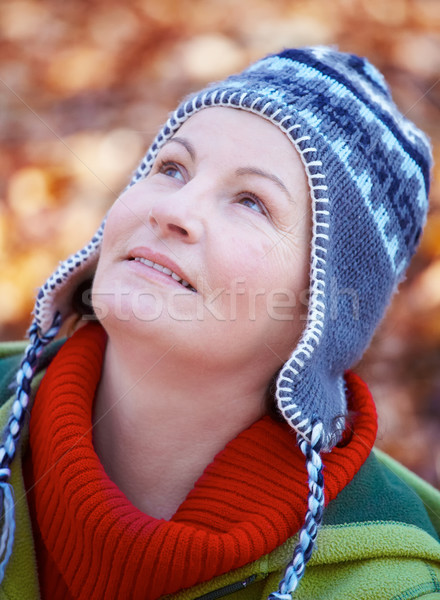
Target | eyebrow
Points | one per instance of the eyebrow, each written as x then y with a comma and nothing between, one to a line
267,175
189,147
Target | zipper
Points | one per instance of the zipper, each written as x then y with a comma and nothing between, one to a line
229,589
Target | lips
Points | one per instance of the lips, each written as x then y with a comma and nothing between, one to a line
160,263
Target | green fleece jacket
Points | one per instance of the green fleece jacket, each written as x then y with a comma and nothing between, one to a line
379,539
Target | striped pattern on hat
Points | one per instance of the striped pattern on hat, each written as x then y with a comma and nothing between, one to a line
368,172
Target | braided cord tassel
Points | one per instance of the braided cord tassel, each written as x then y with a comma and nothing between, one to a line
307,536
8,529
12,432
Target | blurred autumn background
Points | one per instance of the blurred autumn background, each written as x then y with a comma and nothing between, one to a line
85,85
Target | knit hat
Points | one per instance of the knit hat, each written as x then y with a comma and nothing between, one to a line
368,173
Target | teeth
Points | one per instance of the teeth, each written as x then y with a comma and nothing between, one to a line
165,270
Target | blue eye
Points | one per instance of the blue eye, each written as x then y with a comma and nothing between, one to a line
171,170
252,202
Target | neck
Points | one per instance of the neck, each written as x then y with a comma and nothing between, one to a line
155,433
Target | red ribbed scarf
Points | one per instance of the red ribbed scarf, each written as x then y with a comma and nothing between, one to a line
92,543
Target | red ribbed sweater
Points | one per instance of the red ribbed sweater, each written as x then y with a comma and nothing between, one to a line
92,543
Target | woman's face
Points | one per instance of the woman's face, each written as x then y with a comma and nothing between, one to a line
225,208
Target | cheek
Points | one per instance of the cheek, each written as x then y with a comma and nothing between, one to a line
106,291
122,222
119,220
243,287
258,263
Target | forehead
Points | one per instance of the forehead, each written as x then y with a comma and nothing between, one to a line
232,123
244,138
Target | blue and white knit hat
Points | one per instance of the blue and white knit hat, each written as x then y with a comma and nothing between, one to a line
368,173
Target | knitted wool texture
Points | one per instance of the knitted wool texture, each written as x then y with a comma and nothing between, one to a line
96,544
368,173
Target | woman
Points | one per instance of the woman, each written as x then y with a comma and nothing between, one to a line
249,260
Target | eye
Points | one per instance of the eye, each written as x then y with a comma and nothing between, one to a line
171,169
253,202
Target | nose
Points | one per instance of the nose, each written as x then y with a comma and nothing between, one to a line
178,215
